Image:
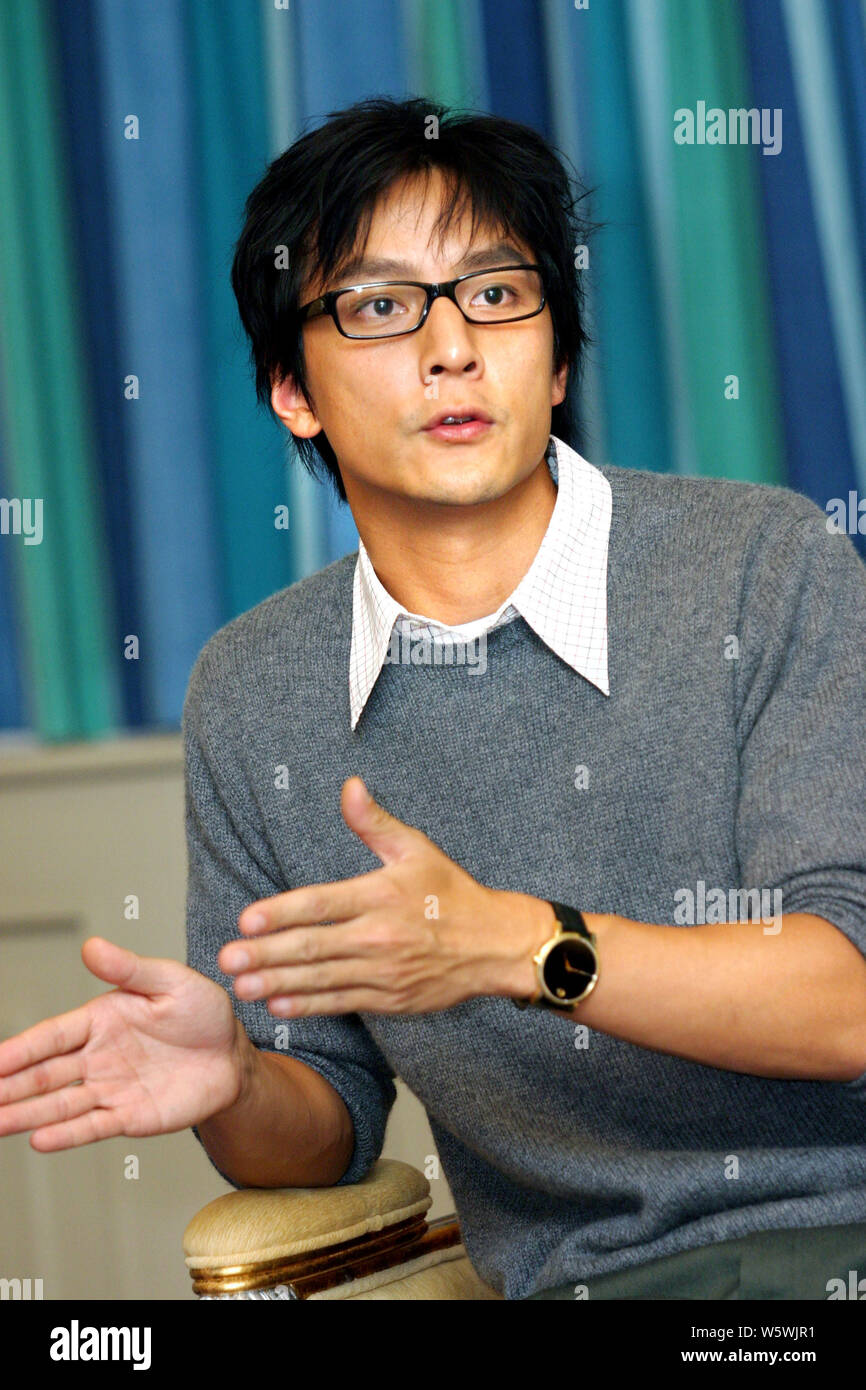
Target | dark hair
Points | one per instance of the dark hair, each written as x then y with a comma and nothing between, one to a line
317,200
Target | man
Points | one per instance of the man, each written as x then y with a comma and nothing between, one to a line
632,706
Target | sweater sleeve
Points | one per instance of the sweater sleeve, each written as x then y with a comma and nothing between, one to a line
229,865
801,725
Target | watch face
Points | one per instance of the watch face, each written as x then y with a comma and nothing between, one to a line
569,968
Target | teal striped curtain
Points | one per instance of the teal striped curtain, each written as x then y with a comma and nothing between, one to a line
139,480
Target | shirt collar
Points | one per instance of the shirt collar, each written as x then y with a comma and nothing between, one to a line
562,596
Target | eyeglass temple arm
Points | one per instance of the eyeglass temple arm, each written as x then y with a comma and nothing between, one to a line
314,309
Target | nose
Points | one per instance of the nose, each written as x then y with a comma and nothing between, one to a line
448,343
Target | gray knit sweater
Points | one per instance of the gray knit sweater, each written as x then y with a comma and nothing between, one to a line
709,766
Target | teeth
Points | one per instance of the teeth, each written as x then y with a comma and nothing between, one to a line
455,420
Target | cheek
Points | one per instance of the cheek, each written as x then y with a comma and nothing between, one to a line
365,400
344,390
530,356
371,378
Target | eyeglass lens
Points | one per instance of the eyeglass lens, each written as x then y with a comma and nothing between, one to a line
489,297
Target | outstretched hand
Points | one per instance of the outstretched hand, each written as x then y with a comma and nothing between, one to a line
160,1052
418,935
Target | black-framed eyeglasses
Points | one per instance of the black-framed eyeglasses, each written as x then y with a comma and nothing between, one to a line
358,312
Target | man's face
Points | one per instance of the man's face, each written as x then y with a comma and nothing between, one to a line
373,398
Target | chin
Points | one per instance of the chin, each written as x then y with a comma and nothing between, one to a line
460,485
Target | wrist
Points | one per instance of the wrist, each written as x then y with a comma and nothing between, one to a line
247,1059
535,923
530,923
234,1118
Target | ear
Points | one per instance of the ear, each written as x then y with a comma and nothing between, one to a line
558,385
292,407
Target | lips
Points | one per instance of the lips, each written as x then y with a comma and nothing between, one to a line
460,413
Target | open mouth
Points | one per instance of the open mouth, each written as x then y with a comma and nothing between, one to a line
459,426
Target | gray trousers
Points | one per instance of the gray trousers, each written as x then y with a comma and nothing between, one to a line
765,1265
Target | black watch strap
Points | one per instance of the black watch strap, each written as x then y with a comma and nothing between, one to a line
571,919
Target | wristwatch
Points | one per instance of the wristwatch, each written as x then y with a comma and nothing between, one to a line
567,964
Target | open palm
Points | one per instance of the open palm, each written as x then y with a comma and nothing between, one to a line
158,1053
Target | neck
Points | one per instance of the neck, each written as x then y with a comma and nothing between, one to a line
456,563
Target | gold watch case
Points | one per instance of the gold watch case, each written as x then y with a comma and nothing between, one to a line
559,1000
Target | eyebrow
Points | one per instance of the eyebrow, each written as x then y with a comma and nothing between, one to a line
500,254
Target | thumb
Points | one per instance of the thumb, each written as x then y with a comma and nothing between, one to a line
389,838
119,966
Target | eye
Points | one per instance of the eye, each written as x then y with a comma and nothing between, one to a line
498,291
378,306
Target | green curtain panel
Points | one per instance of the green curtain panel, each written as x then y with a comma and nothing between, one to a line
723,288
70,671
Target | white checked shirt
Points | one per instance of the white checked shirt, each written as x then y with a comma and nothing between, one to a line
562,596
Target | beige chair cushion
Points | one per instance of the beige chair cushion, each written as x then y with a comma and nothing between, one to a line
259,1224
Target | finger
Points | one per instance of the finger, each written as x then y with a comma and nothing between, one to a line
302,945
46,1039
88,1129
126,969
389,838
44,1076
318,902
52,1109
327,975
344,1001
